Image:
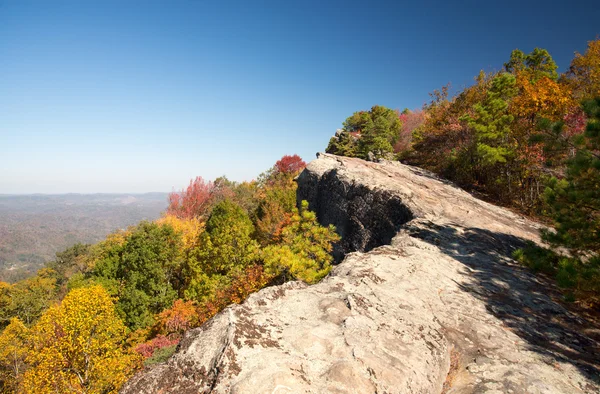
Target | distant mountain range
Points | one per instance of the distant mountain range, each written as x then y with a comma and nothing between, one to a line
34,227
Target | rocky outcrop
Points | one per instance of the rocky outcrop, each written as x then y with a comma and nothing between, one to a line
426,300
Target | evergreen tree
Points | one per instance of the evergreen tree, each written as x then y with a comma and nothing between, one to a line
539,63
492,121
379,130
343,144
375,132
575,201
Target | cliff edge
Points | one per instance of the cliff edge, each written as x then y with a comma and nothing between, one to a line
426,300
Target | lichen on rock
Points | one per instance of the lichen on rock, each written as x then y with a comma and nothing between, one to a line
427,299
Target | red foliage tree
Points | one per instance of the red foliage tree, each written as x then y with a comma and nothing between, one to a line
290,164
191,202
147,349
410,121
575,121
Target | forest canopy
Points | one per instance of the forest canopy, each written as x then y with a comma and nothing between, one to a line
97,313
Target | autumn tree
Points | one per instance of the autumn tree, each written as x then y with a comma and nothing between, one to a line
304,252
483,138
28,298
444,143
276,198
242,284
541,98
584,73
192,202
290,164
13,351
177,319
78,346
242,193
411,121
6,311
189,230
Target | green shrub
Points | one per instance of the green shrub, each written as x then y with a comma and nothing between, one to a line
160,355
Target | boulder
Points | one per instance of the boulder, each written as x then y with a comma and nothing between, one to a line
427,300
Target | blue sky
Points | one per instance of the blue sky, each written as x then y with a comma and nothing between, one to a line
137,96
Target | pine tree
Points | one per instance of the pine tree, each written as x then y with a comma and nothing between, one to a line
367,133
538,63
575,201
380,130
343,144
492,121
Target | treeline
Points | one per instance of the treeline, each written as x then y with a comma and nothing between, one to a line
88,320
525,137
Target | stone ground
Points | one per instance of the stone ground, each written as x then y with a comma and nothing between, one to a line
426,300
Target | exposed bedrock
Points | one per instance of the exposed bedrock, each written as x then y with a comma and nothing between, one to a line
429,301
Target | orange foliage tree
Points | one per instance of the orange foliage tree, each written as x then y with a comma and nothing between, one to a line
244,283
177,319
543,97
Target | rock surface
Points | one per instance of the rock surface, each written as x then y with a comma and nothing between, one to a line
429,301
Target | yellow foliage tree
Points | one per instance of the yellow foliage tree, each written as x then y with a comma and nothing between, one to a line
13,350
5,303
190,229
584,73
78,347
305,249
28,298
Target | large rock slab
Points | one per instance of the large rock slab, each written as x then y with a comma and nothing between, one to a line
428,300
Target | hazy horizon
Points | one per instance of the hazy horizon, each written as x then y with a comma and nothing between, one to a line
84,194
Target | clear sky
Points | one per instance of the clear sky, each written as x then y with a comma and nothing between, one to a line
137,96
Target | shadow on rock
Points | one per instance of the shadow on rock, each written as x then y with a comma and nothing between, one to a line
527,304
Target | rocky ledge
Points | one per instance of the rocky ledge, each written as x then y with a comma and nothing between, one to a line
426,300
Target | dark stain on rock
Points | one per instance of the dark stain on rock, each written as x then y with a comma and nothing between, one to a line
364,218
